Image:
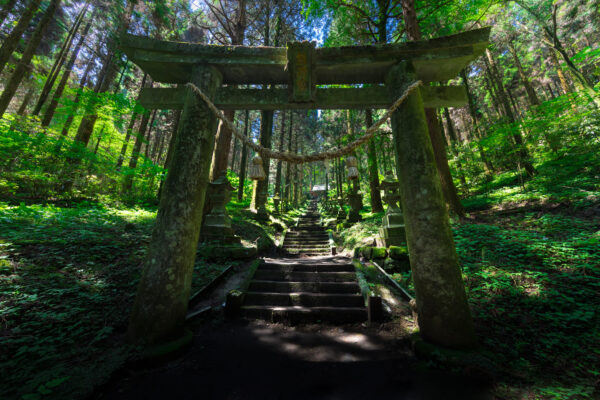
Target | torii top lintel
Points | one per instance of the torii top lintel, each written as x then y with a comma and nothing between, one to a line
436,59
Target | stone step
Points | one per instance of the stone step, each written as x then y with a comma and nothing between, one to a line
306,245
296,314
304,299
292,253
308,234
306,240
304,276
315,287
297,267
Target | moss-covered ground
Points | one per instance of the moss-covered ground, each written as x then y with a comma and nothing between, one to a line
530,258
68,277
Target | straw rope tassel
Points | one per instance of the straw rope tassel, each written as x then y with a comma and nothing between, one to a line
297,158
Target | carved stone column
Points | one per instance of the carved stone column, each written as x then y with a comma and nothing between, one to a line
164,289
444,315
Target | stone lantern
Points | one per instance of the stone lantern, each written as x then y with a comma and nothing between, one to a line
217,224
341,214
392,231
276,201
355,200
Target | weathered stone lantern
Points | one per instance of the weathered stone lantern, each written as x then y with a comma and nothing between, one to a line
217,224
341,214
392,231
355,200
257,173
276,201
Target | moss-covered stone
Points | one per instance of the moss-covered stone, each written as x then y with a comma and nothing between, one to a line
357,252
398,252
401,260
378,252
366,252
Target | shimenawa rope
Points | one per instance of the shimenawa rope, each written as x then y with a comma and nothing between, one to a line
298,158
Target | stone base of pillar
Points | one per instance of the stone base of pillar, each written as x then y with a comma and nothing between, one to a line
261,215
392,231
354,216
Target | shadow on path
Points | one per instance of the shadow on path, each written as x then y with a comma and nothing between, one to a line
258,360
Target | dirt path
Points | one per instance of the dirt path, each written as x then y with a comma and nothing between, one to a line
257,360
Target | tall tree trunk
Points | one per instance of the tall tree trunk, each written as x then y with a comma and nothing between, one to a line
243,160
413,33
234,152
26,100
129,130
261,187
453,139
49,114
105,81
531,95
223,139
77,99
487,164
11,42
288,166
170,148
23,65
524,157
278,170
376,205
137,147
60,61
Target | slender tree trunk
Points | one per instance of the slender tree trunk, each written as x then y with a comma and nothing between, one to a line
49,114
487,164
261,187
531,95
278,171
453,139
11,42
243,160
24,64
234,152
413,33
76,100
288,166
376,205
129,130
26,100
170,147
60,61
524,157
105,81
137,147
149,135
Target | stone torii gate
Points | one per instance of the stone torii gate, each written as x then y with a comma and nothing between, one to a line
304,73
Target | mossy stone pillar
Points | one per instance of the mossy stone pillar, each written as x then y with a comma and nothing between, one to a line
163,292
444,315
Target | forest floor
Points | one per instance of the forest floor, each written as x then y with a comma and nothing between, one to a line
530,253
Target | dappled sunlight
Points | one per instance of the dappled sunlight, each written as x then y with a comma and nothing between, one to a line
322,343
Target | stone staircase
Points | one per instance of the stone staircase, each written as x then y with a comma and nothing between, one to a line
308,238
297,290
313,288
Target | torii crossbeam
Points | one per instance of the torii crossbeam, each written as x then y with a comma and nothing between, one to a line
303,76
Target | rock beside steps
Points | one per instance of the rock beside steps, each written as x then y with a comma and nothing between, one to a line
305,290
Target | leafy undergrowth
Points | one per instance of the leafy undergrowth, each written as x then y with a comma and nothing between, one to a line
361,233
533,282
68,277
571,179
